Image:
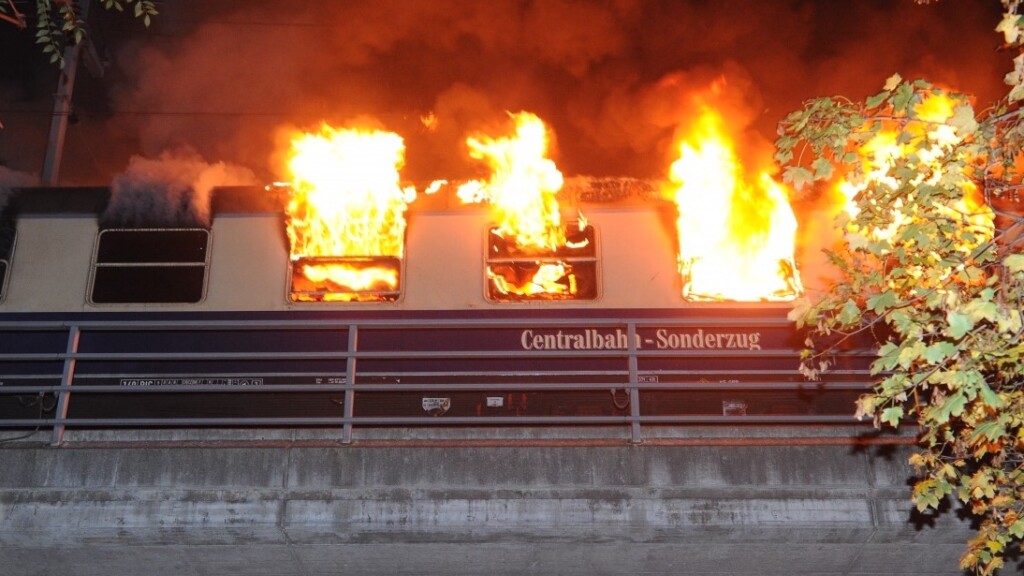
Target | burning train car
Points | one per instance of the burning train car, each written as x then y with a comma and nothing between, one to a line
103,326
342,302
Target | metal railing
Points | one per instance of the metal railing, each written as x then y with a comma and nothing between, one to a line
127,361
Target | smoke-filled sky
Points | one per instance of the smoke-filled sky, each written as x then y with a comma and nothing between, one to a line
614,79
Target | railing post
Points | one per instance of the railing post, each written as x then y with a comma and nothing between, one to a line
634,390
348,408
65,381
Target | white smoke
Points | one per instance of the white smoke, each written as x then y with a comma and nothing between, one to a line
171,190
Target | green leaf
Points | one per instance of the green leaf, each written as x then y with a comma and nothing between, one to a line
850,313
823,169
989,397
888,356
963,120
877,99
1014,262
797,177
911,353
978,310
958,324
892,416
902,97
939,351
880,302
1009,321
1016,529
953,406
991,431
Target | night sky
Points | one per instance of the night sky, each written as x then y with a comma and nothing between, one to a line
226,79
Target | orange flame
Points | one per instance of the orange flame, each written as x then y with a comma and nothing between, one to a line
346,202
736,230
529,247
523,185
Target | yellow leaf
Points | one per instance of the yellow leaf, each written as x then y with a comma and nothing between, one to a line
893,81
1008,26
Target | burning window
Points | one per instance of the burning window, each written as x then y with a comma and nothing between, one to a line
134,266
346,216
345,279
531,253
737,231
566,273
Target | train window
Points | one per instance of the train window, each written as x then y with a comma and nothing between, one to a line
345,279
7,237
568,273
135,266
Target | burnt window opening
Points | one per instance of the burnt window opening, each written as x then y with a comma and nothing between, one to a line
567,273
786,283
150,266
345,278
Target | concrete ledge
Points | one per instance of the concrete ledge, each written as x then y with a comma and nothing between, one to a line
317,509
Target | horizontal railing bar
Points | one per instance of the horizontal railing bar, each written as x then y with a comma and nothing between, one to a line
374,355
392,323
400,354
183,264
427,387
174,388
456,373
427,420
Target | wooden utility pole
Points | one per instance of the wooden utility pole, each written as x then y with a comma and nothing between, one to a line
62,99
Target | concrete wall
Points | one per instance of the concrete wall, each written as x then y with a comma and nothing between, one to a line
275,504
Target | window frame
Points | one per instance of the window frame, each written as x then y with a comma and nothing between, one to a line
398,293
8,262
96,265
594,259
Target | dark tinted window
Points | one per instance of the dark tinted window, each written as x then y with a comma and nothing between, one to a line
150,266
152,246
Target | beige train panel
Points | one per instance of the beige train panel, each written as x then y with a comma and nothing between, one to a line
50,266
443,268
445,260
637,258
248,264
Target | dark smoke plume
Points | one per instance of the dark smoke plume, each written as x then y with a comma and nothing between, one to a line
614,79
609,77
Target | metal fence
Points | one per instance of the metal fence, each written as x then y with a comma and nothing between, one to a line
344,374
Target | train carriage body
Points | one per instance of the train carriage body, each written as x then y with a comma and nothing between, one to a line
180,326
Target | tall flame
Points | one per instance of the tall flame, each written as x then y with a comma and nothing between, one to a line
523,184
347,202
736,230
528,248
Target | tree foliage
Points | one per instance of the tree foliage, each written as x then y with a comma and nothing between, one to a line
59,22
929,266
